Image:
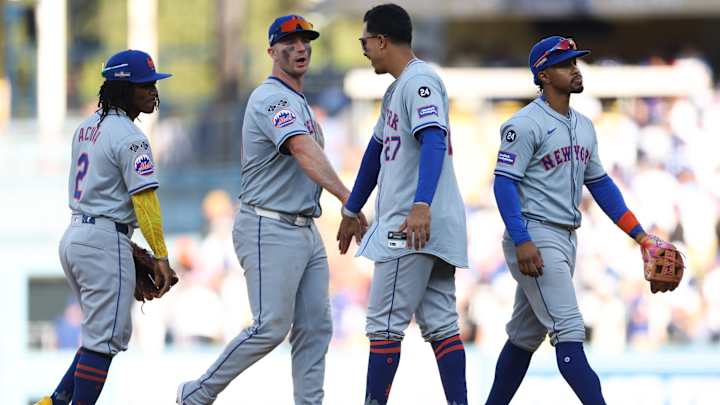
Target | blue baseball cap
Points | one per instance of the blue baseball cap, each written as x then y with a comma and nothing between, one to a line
288,25
551,51
132,66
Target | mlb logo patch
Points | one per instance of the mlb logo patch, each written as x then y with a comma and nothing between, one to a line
121,74
144,166
427,111
506,158
283,118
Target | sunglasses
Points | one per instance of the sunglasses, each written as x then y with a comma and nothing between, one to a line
296,23
565,44
363,40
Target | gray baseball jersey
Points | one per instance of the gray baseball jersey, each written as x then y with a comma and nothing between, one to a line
416,100
109,163
285,262
271,177
111,160
550,156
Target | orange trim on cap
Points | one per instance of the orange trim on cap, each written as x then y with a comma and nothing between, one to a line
627,222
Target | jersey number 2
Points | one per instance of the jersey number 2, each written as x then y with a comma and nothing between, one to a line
82,168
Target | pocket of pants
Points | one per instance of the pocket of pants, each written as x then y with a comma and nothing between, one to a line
88,245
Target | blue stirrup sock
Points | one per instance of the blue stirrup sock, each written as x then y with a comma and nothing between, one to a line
575,369
90,374
64,391
510,370
382,365
450,356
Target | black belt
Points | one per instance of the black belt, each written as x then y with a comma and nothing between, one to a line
122,228
564,227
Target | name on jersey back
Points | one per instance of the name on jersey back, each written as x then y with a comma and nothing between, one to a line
89,134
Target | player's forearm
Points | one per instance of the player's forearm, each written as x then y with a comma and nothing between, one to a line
314,163
508,202
367,177
610,200
432,155
147,210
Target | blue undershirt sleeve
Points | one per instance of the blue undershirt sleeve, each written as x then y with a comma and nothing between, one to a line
432,155
367,177
508,202
608,196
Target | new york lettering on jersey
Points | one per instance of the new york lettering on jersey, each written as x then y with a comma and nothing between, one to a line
543,151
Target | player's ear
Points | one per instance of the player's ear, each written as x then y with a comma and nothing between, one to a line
544,78
271,52
382,41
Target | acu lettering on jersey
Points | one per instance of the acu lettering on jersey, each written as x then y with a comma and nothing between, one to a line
564,155
89,134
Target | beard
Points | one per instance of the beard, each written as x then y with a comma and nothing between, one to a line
576,85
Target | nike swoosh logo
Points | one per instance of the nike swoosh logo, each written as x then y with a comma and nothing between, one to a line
550,131
114,67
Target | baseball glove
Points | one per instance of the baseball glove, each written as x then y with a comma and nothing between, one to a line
664,265
146,272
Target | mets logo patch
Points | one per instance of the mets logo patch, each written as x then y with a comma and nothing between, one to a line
144,166
427,111
506,157
283,118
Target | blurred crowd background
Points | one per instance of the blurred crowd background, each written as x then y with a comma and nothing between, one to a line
659,141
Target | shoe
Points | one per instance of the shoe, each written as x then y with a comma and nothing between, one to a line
44,401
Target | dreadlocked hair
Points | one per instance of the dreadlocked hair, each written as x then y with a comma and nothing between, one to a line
114,95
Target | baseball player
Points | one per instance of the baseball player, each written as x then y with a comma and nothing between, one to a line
419,234
284,170
111,191
547,152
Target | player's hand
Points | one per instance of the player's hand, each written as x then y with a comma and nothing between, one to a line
529,259
351,227
417,226
363,223
164,277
